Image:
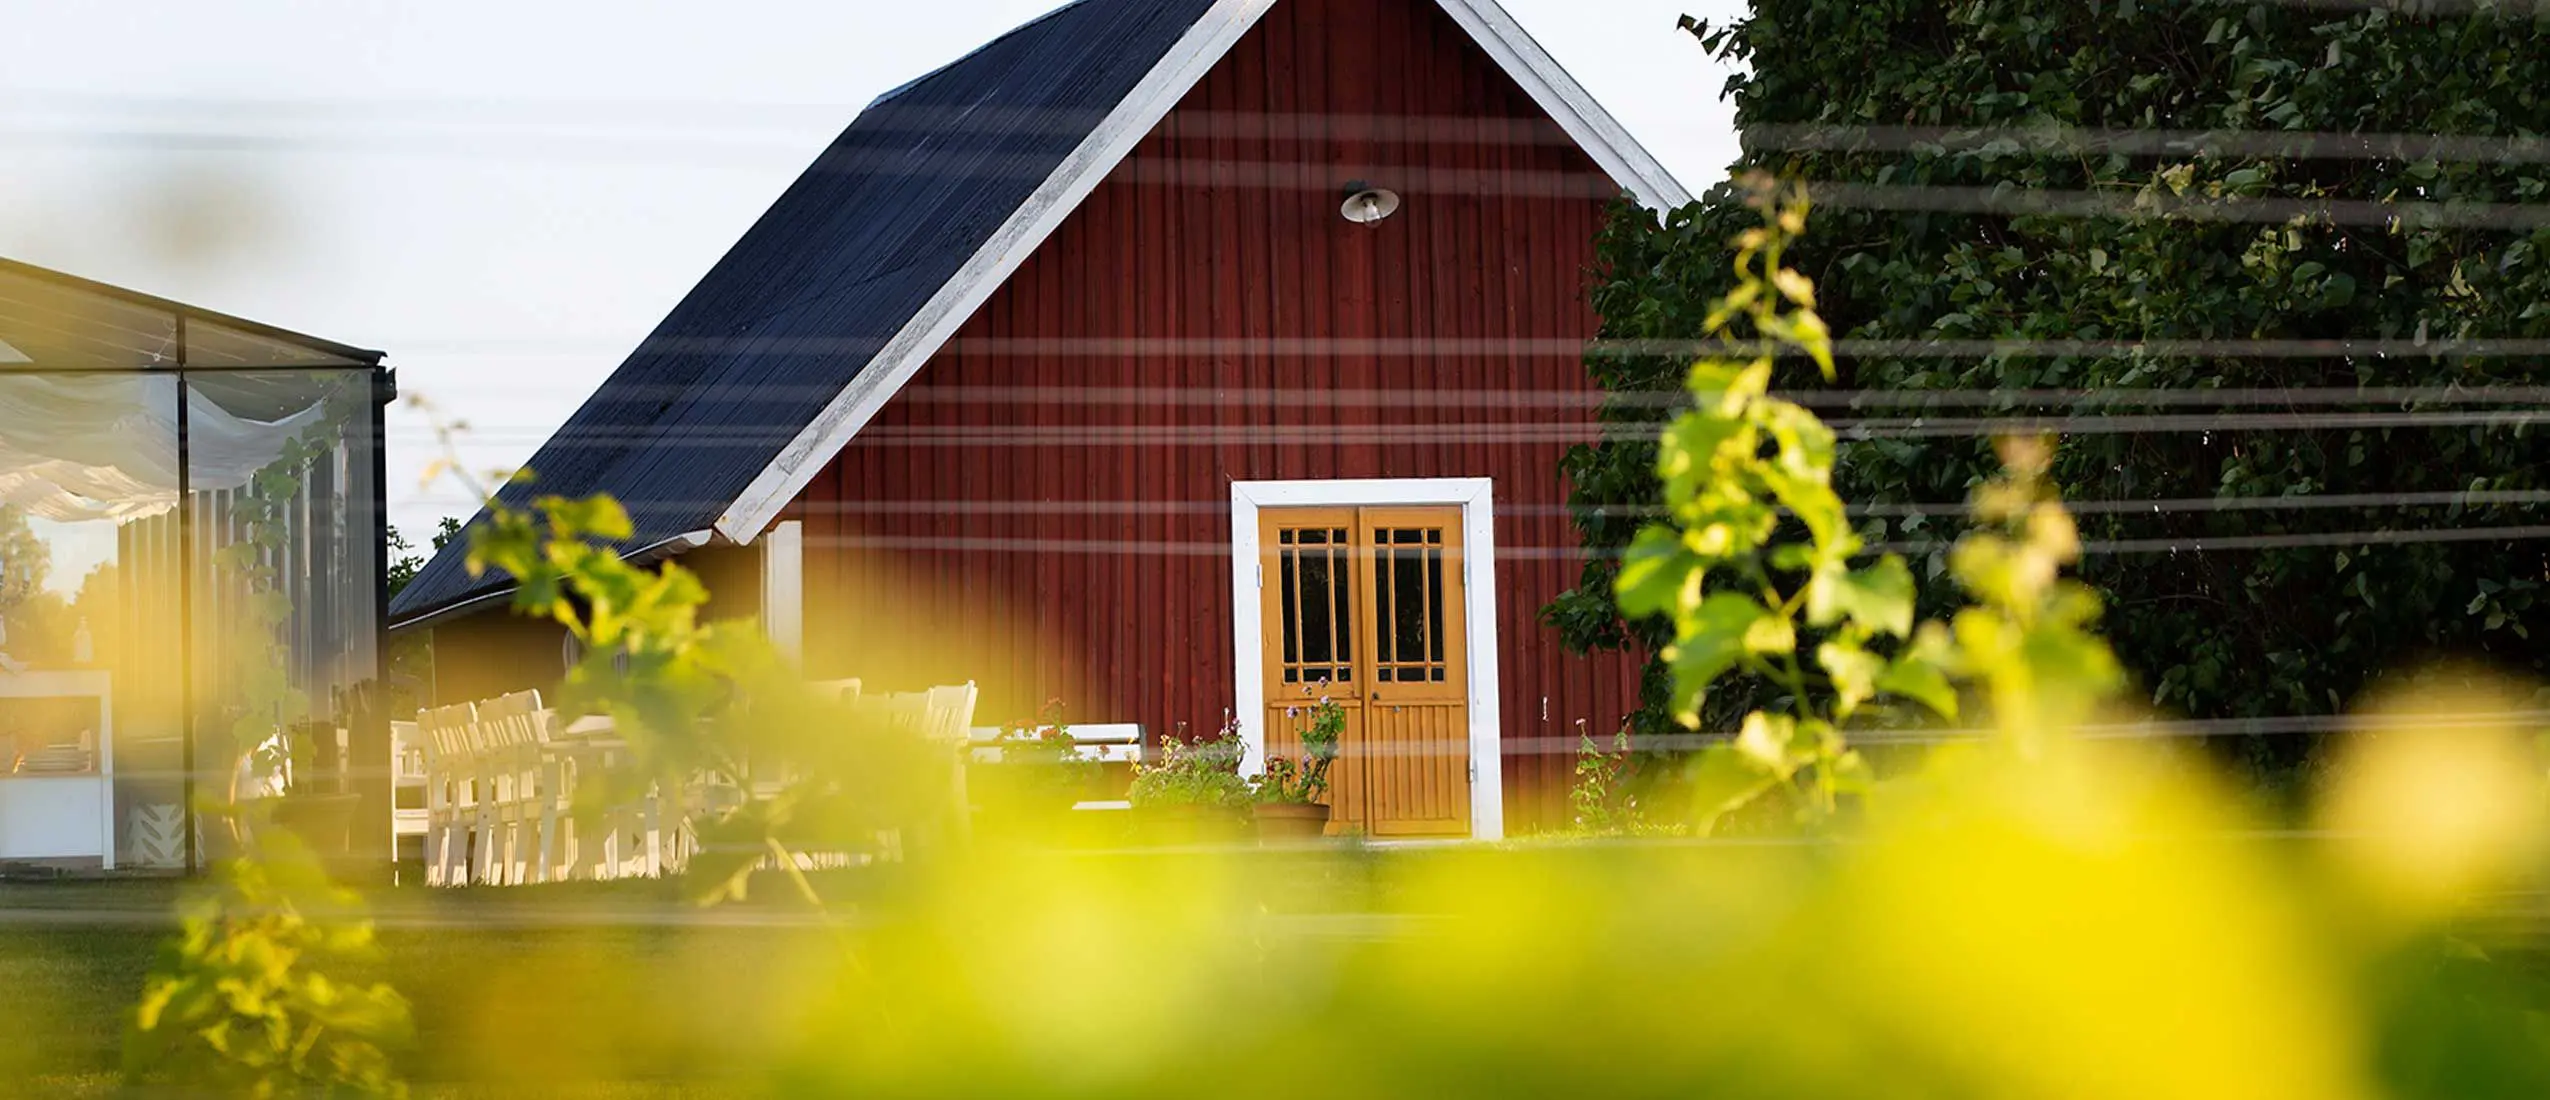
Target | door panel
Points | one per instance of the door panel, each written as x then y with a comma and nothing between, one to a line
1416,703
1419,769
1365,607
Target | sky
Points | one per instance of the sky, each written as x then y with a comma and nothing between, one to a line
507,195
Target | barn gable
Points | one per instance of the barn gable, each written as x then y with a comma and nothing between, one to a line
1047,509
884,249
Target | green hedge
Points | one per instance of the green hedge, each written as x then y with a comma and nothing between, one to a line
2214,173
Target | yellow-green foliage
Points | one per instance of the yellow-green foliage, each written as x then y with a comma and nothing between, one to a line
2087,922
2031,914
696,699
242,1002
1745,475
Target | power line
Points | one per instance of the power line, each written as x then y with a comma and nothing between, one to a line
1211,548
1207,395
2050,137
2152,204
2220,544
2165,506
981,436
707,122
2499,9
2167,423
2146,730
1308,347
1221,507
2272,726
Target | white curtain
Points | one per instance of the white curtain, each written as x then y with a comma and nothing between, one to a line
77,447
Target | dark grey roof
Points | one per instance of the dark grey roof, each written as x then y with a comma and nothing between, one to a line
844,260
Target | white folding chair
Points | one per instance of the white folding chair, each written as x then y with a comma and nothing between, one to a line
451,792
484,768
518,822
631,840
409,787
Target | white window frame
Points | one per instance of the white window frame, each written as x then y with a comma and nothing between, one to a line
1475,496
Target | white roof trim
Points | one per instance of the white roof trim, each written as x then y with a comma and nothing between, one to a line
1080,173
1601,136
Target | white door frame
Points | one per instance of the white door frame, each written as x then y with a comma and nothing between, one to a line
1476,498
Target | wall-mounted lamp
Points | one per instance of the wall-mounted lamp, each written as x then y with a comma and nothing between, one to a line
1367,205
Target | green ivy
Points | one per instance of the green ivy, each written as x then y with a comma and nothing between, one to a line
1992,102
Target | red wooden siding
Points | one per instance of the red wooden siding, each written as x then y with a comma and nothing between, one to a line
1046,510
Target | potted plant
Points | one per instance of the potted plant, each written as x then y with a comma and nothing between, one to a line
1040,775
1292,795
1194,793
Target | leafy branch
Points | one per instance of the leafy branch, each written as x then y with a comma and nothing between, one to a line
240,1002
698,701
1760,574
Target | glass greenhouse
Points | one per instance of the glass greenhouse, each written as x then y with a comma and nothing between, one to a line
191,574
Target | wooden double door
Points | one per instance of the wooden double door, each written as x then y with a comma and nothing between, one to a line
1364,607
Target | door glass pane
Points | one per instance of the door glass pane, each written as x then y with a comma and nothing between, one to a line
1342,599
1434,600
1385,649
1407,603
1315,610
1286,564
1407,613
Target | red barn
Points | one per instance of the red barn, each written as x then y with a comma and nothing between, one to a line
1178,359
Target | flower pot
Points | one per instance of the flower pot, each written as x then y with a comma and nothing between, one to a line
1291,822
1190,825
1028,799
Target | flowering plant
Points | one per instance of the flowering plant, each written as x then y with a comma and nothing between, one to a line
1204,772
1044,740
1303,780
1040,766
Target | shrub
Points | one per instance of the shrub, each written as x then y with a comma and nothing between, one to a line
2162,140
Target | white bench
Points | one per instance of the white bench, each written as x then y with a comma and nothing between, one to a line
1098,742
1105,743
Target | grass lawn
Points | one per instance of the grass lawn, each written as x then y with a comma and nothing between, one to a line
602,990
623,991
510,997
